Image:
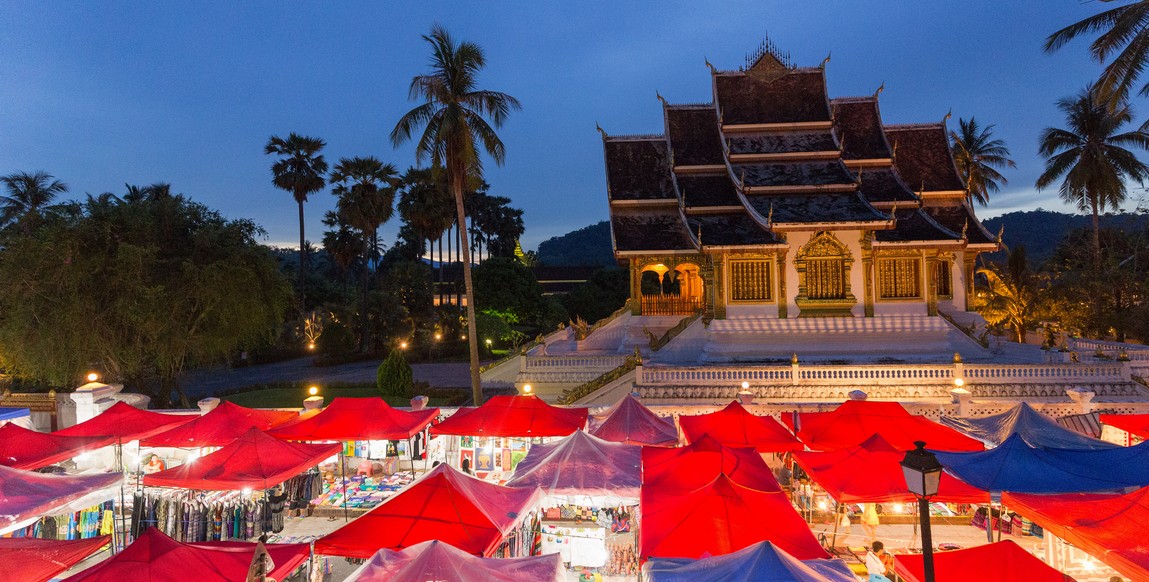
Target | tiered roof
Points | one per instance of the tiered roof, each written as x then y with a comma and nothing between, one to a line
773,152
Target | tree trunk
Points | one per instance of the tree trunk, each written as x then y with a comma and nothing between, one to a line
363,320
457,176
1096,235
440,286
458,253
302,265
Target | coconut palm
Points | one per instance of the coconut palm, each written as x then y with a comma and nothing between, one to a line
1124,37
979,157
366,190
454,119
428,207
29,195
298,170
1011,294
1092,156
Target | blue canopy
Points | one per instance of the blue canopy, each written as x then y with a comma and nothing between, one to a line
13,413
1037,429
761,561
1019,468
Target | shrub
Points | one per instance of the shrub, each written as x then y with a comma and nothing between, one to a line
394,377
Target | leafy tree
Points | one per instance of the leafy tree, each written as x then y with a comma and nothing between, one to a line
29,195
1092,156
979,157
140,289
410,283
426,206
394,376
1124,37
298,170
494,223
1011,294
603,293
504,284
341,243
1106,300
454,121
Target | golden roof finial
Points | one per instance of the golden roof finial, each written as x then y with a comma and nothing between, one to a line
600,130
1000,232
709,66
881,88
949,114
825,61
661,99
770,216
700,234
965,230
894,210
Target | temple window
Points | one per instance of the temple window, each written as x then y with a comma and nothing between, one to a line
943,275
676,290
899,278
750,280
826,279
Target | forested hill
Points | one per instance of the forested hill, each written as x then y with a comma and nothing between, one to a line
1042,230
586,246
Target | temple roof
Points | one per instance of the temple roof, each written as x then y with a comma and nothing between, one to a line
815,208
774,96
817,173
859,126
958,218
730,229
923,157
913,225
883,185
708,191
783,142
694,136
638,169
650,230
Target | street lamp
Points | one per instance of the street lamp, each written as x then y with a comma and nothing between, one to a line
313,391
923,473
92,376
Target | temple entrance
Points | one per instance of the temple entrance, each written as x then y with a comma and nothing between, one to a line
823,266
671,291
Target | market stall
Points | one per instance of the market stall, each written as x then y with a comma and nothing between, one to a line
21,448
998,562
857,420
37,560
761,561
218,427
734,426
700,462
1035,428
357,419
26,496
435,560
628,421
1136,425
126,423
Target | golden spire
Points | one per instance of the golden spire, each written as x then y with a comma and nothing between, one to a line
881,88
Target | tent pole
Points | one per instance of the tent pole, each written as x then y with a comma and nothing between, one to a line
837,518
123,505
411,453
343,469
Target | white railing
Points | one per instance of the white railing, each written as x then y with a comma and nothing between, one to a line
1045,373
572,362
1080,345
711,375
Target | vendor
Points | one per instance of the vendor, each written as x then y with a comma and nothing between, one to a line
155,465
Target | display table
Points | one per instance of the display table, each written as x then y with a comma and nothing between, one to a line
580,544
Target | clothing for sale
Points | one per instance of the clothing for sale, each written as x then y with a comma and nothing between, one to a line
79,525
202,517
362,492
301,489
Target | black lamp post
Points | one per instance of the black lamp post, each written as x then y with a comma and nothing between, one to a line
923,473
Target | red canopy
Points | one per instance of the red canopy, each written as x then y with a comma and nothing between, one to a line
513,416
253,461
856,420
349,419
125,423
155,556
1108,527
37,560
220,426
1134,424
1001,562
27,449
26,495
872,473
719,518
734,426
443,505
628,421
699,463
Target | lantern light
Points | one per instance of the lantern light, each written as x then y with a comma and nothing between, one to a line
527,388
313,390
92,376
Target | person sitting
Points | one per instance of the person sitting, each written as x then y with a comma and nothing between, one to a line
155,465
876,563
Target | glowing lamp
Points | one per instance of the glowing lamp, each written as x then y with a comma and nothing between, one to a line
745,385
92,376
438,336
527,388
959,382
402,345
313,390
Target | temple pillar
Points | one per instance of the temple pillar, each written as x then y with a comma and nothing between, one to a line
781,298
635,288
931,280
711,271
868,273
969,259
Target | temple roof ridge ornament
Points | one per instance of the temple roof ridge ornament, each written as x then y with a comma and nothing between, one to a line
1001,233
601,131
713,70
948,115
661,99
965,230
825,61
881,88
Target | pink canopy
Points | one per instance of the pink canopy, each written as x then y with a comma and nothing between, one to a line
513,416
253,461
1001,562
21,448
585,470
37,560
435,560
734,426
125,423
154,556
220,426
628,421
872,473
700,462
444,505
349,419
25,496
857,420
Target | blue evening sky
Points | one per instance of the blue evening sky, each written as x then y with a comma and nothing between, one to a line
103,93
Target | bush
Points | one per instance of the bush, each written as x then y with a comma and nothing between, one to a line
337,338
394,377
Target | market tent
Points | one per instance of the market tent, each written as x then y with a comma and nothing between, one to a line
1107,527
513,416
583,470
1034,427
220,426
761,561
25,496
349,419
872,473
435,560
1134,424
719,518
155,556
700,462
444,505
253,461
628,421
21,448
126,423
1015,466
39,560
999,562
857,420
734,426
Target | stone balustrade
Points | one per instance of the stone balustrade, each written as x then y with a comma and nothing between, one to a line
573,362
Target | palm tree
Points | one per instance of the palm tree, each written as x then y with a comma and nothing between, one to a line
454,121
299,170
28,197
979,157
366,190
1092,156
428,207
1124,32
1011,294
